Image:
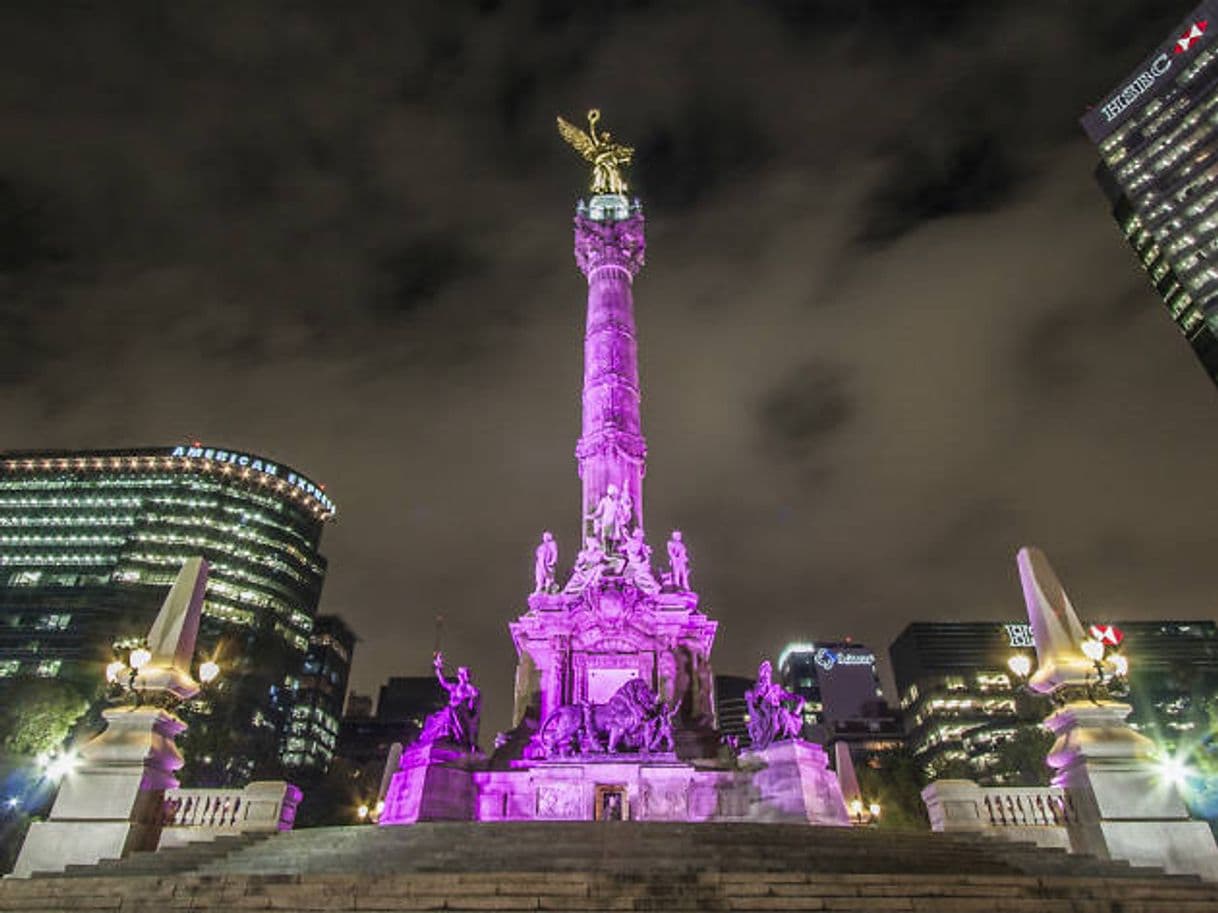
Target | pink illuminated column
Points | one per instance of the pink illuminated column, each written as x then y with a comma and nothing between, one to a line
611,447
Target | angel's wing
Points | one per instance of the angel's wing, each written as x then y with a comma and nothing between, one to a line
577,138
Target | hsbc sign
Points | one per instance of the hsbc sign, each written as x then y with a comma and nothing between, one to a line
1154,71
1136,89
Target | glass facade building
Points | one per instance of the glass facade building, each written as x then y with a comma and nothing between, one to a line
91,541
317,696
1157,136
843,700
961,702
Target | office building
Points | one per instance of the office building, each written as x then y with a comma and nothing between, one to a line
730,707
1157,138
91,540
962,702
843,700
404,704
317,696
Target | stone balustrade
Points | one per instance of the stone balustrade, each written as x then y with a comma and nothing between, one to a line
203,814
1037,814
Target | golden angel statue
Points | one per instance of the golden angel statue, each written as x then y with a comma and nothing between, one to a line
606,156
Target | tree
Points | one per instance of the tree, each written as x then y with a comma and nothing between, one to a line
1021,758
38,714
894,779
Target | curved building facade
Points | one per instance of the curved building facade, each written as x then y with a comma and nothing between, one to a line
91,540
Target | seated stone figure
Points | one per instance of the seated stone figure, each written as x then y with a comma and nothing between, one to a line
770,719
458,722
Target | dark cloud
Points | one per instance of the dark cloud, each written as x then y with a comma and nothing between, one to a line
974,173
812,404
698,149
341,237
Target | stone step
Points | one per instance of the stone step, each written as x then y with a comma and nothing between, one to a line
589,892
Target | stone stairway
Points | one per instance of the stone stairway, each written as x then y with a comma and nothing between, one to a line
612,866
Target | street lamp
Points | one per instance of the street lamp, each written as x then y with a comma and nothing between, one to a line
58,766
1020,664
140,657
122,676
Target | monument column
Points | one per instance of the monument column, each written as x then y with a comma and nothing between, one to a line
609,248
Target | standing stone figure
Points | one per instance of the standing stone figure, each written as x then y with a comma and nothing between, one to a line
770,719
545,563
458,722
604,518
678,562
625,514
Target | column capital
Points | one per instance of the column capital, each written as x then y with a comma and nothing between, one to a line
610,244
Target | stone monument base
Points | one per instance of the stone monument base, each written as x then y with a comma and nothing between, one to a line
789,781
792,782
432,783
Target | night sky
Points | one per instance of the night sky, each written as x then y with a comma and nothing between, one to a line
889,331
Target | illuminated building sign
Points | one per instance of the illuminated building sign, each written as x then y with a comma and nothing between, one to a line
827,659
257,464
1019,635
1108,635
1192,34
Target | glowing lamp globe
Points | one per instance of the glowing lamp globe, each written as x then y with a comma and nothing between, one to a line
209,671
1120,665
1093,650
114,671
874,809
140,657
1020,664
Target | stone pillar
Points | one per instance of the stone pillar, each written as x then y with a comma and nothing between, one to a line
609,248
954,805
113,803
1125,809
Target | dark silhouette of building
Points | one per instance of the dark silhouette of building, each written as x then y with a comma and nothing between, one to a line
404,705
730,706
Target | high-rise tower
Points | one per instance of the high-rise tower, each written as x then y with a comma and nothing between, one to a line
1157,138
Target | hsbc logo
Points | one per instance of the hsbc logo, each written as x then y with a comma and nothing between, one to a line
1152,78
1138,86
1189,38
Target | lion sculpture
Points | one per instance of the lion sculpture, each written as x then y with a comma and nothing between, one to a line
622,721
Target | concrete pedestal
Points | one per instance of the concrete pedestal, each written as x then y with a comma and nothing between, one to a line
1125,808
433,783
113,803
791,781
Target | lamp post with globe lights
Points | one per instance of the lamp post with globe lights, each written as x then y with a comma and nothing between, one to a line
123,678
112,796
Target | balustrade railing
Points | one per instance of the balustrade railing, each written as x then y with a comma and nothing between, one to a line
1028,806
1039,814
202,814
